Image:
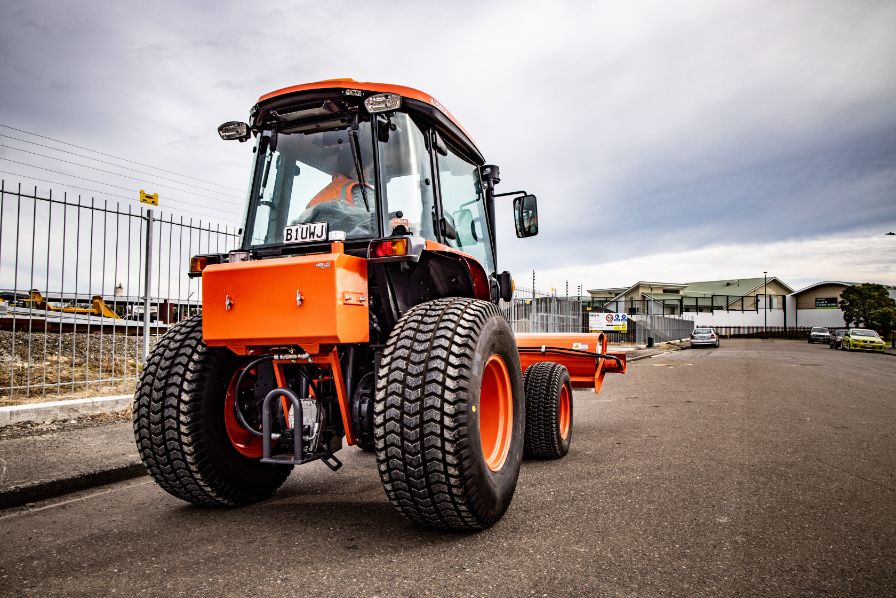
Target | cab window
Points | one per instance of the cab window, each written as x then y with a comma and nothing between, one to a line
463,207
407,176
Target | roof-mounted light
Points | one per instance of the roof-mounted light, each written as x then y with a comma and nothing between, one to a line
382,102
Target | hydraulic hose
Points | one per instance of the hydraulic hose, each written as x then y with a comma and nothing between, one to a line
239,382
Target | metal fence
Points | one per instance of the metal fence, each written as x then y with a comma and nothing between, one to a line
86,287
538,311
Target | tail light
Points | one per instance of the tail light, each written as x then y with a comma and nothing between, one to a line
388,248
713,335
198,263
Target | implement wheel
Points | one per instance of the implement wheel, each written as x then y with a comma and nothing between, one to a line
449,414
181,427
548,410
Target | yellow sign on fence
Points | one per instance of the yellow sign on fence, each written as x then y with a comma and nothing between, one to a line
150,198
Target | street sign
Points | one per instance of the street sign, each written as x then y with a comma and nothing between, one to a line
607,322
150,198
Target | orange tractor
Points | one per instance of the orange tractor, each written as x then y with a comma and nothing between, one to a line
362,308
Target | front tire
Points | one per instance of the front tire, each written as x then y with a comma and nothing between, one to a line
179,424
449,414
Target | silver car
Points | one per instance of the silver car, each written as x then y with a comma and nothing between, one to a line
706,337
820,334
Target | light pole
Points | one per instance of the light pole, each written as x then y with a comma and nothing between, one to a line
765,301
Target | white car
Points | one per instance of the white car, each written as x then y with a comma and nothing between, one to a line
820,334
706,337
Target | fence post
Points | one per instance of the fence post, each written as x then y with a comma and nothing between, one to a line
147,274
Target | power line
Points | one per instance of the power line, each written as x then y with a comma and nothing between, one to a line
95,181
87,149
218,198
56,149
104,193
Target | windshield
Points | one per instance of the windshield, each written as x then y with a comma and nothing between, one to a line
321,177
817,329
870,333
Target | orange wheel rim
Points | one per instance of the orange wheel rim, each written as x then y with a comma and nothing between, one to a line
245,442
495,413
564,412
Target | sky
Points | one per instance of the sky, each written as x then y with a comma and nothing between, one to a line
665,141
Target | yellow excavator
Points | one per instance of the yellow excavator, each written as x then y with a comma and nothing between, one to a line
98,306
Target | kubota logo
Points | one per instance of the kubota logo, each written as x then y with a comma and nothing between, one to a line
323,264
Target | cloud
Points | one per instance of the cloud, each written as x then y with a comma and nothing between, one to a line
641,127
867,257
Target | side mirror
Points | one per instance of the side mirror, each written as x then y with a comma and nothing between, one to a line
525,216
234,129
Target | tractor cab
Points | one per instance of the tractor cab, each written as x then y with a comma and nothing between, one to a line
358,162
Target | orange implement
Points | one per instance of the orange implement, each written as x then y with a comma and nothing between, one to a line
584,355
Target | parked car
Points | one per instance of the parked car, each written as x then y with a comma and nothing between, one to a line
819,334
837,337
862,339
704,337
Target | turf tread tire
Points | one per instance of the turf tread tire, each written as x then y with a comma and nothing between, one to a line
543,382
425,428
179,425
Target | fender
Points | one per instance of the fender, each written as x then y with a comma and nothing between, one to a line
478,276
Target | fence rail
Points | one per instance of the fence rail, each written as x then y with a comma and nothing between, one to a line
87,286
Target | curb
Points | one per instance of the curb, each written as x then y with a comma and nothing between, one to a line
17,496
56,410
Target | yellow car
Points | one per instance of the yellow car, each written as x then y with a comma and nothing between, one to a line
862,339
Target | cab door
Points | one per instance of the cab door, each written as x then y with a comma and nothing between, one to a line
465,222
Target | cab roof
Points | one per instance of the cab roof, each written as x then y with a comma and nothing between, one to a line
417,98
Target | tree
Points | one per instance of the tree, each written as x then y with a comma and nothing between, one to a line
870,305
885,322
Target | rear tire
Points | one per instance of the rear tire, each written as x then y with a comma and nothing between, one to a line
179,424
549,410
449,414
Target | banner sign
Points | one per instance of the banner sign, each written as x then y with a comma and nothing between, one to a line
607,322
826,303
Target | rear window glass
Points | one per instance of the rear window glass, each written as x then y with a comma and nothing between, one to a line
702,330
819,329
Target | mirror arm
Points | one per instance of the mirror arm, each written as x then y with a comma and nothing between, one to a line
490,208
510,193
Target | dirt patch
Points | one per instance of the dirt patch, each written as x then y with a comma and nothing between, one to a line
59,366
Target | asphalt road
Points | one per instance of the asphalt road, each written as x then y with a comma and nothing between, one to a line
761,468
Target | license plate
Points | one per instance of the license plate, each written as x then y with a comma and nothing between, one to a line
305,233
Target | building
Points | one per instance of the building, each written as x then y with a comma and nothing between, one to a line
819,304
679,299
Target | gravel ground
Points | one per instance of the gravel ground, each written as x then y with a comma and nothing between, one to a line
84,358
